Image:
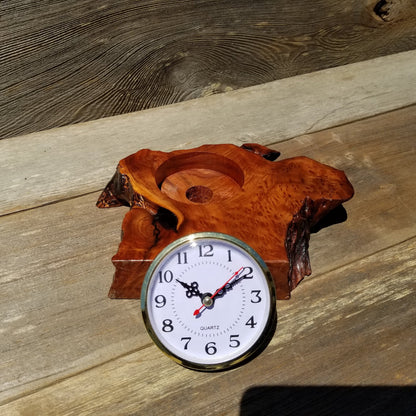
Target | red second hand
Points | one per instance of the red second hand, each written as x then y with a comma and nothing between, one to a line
197,311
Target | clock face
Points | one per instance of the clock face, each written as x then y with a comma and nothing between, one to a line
208,301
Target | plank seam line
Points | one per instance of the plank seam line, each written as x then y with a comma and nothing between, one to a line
127,353
272,143
342,266
310,132
57,201
67,377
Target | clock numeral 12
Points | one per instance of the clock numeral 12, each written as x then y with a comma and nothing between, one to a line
206,250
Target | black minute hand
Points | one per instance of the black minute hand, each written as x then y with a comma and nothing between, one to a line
245,273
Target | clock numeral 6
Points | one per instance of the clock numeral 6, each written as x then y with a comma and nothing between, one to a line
210,348
167,325
234,342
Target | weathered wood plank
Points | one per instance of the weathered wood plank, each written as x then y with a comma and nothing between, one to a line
48,166
56,269
351,327
378,155
55,315
62,64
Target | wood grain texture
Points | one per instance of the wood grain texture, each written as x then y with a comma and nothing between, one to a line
378,154
65,348
360,334
64,63
286,197
44,167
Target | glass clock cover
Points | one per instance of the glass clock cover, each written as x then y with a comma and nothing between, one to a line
208,301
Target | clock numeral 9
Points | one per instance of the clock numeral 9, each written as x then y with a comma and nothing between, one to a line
160,301
210,348
167,276
167,325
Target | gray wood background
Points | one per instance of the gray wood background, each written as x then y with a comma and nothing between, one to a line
64,62
344,343
334,81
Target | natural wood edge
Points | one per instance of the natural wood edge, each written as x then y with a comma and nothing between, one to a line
47,166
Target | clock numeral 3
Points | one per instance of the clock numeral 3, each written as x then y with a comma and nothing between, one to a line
167,325
210,348
257,298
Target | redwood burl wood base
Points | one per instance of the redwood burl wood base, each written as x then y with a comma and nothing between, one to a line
240,191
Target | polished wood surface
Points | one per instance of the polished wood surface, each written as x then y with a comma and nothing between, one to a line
344,342
69,62
239,191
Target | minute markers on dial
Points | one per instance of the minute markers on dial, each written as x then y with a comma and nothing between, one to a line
192,273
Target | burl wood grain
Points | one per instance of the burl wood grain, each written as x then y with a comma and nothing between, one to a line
237,191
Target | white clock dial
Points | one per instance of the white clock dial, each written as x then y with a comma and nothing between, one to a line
208,301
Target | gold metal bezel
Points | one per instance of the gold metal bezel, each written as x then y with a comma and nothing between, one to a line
264,337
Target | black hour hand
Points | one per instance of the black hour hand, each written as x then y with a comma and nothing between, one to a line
191,289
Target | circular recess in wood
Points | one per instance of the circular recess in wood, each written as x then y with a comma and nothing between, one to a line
199,177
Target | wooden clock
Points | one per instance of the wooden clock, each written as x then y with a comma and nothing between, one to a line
239,191
214,236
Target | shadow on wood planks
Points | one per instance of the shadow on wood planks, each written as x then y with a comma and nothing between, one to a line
329,400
